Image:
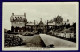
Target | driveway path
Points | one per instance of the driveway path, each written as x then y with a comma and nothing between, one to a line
57,42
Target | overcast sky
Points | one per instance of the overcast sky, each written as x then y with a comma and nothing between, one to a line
35,11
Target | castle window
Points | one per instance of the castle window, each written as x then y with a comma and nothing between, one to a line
20,17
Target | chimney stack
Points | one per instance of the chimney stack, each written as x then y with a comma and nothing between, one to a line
67,20
41,19
25,14
47,22
34,22
12,14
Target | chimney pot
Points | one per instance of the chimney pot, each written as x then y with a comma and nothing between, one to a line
12,14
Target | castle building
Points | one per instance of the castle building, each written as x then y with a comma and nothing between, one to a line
36,27
19,24
58,20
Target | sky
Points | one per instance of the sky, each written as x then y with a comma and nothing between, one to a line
37,10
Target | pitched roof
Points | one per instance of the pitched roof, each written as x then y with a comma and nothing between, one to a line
31,23
51,23
18,18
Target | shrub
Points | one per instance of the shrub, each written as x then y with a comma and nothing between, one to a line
12,40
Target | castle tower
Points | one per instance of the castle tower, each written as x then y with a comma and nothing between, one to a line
18,22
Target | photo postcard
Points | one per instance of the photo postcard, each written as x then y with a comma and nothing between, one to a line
40,26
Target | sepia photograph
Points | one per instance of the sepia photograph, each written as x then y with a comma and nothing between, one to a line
40,25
